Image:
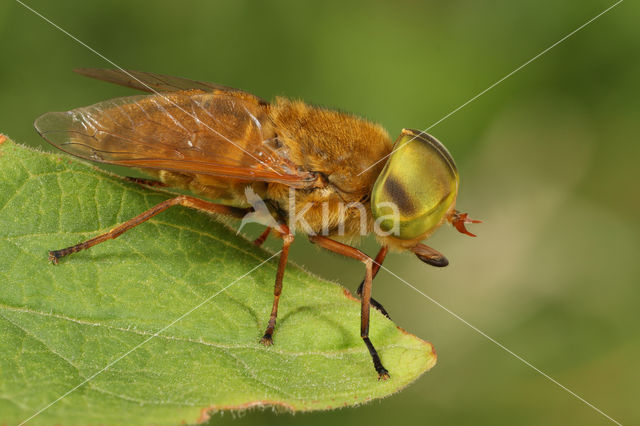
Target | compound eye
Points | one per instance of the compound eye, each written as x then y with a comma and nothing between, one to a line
416,188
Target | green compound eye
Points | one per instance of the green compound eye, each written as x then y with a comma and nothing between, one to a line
416,188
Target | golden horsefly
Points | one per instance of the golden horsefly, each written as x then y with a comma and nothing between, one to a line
261,160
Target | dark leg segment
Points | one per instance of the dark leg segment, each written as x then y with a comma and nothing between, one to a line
287,239
147,182
376,267
365,300
182,200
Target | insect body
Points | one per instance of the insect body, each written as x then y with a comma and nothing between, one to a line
316,171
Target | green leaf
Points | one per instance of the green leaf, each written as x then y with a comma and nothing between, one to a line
60,325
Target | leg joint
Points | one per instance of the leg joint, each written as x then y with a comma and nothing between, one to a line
288,238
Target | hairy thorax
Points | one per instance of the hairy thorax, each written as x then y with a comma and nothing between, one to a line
339,147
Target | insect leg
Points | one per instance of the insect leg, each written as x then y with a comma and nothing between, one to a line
365,301
182,200
376,267
263,237
287,238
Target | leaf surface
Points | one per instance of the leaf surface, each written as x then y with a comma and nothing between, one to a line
60,325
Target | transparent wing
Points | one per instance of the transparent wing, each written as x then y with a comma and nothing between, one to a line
216,133
150,82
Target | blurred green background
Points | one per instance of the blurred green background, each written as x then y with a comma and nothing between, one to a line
548,159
